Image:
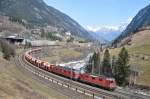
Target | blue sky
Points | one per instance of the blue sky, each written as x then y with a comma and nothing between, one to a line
98,13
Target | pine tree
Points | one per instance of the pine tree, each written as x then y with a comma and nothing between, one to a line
97,70
122,69
113,62
93,64
106,66
89,65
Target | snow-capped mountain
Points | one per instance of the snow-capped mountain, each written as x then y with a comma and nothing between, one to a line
108,32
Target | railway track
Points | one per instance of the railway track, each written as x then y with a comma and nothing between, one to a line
77,86
49,82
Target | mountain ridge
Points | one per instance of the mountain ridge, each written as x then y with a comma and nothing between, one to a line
140,22
38,13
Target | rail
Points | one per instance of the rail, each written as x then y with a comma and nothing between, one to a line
73,85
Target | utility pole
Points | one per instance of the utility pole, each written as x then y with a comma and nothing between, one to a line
71,72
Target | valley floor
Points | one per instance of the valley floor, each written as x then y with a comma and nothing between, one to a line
64,53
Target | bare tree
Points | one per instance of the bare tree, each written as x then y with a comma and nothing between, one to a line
7,49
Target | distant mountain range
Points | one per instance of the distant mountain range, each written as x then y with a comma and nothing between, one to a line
38,14
140,22
98,37
108,33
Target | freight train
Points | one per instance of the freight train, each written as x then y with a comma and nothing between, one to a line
101,81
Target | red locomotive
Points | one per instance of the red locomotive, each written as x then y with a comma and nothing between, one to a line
107,83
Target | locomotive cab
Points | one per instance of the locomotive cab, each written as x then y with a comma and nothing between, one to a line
112,83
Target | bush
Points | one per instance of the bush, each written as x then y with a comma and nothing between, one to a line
51,36
70,40
7,49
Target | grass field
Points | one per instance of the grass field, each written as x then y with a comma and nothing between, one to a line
16,85
62,55
139,51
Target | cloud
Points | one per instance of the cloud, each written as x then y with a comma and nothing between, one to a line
93,29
